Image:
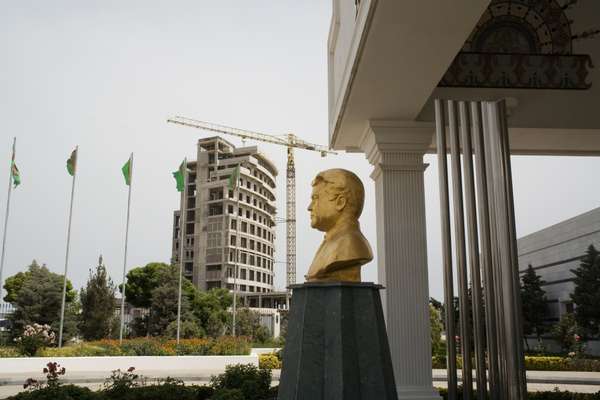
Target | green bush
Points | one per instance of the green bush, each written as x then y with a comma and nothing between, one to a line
6,352
253,382
269,361
228,394
64,392
539,363
555,395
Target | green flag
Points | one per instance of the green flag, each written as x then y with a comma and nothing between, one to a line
72,162
14,171
234,178
127,172
178,175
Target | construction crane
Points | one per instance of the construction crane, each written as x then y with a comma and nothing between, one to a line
290,141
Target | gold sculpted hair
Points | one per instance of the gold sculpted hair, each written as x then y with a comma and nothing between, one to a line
343,182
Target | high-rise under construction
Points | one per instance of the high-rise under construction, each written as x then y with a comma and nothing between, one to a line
229,223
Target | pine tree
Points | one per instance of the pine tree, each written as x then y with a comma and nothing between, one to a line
98,305
586,296
37,296
533,303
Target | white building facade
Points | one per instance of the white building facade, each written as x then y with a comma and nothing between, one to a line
554,252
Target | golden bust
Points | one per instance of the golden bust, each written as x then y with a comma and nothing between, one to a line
336,204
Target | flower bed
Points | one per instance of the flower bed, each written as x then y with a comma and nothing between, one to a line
222,346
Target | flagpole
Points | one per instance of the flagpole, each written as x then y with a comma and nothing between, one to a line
125,252
237,255
64,293
6,217
181,244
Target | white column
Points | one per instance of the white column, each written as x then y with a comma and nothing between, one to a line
396,151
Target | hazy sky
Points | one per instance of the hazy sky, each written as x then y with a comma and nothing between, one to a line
105,75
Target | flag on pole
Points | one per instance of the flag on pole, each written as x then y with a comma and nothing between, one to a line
72,163
178,175
14,171
234,178
127,172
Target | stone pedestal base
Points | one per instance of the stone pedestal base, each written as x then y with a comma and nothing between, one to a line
336,346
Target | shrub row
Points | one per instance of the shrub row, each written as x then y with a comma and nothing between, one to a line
239,382
222,346
555,395
540,363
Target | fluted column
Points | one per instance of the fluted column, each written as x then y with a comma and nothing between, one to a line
396,151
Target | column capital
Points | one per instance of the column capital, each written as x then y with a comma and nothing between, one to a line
396,145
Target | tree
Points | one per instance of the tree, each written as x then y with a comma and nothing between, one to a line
14,283
188,329
566,332
164,303
98,305
533,303
37,297
247,323
435,321
141,281
211,309
586,295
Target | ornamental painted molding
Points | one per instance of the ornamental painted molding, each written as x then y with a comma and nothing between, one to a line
522,44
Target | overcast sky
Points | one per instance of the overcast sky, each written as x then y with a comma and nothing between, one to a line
105,75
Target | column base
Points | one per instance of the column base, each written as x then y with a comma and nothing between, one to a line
336,347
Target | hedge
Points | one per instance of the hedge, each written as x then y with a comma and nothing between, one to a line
222,346
554,395
540,363
239,382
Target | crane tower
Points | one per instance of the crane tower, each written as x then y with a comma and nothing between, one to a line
290,141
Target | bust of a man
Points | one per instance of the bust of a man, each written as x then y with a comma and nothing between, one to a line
336,204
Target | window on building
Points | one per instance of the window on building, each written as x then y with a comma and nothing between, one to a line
247,199
248,184
243,273
251,244
258,231
248,214
244,258
244,227
251,277
253,216
260,219
213,285
233,224
240,213
251,260
243,242
243,288
232,240
252,229
230,209
254,187
230,194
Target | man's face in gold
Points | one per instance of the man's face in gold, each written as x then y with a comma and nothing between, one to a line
324,209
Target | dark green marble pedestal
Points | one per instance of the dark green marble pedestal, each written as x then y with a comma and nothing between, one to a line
336,346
